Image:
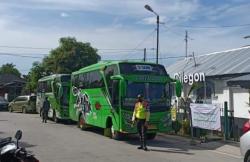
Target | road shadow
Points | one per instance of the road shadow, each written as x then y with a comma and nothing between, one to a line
158,145
173,144
26,145
176,151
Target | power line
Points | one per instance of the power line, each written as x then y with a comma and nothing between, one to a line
19,55
139,44
117,49
104,49
119,52
24,47
151,58
212,27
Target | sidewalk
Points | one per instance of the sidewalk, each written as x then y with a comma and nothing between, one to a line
224,147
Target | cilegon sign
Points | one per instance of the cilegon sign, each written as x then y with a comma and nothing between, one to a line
190,78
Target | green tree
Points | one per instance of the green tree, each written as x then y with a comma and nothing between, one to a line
9,68
70,56
37,71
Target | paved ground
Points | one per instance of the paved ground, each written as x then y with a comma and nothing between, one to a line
63,143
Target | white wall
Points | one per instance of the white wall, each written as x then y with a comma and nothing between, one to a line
240,102
236,97
221,93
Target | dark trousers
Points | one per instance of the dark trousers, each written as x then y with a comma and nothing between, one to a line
142,130
45,115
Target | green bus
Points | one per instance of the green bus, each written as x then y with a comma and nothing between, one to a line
56,87
104,95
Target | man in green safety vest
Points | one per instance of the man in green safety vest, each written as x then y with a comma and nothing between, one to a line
141,117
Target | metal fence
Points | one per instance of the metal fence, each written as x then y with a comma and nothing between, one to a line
231,127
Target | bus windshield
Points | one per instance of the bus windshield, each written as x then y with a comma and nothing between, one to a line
157,94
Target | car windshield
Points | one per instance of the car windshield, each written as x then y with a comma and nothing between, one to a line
32,98
2,99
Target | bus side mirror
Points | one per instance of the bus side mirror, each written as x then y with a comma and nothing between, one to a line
116,77
178,88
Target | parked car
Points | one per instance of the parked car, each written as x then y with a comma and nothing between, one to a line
23,104
3,104
245,142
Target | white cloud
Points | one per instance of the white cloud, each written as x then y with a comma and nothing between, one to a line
121,35
64,14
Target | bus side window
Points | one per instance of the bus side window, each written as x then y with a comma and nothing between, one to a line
110,71
115,93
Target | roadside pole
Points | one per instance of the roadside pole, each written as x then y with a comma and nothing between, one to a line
192,142
225,121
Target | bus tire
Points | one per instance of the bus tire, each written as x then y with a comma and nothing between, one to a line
10,109
115,134
55,119
24,110
40,112
82,123
110,132
151,136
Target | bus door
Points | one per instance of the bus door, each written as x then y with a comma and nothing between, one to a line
64,99
115,100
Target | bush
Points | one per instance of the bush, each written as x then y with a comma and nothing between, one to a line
176,125
186,126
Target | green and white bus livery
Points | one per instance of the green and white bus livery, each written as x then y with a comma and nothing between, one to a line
104,95
56,87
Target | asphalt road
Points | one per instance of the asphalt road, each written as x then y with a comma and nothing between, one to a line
52,142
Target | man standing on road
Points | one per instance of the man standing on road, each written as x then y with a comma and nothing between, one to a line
46,107
141,117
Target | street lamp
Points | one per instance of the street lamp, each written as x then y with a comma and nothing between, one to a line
157,22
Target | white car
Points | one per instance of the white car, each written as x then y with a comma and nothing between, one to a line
245,142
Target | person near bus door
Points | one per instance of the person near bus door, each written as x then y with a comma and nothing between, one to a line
45,109
141,117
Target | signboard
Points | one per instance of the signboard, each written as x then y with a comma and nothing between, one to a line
144,67
190,78
206,116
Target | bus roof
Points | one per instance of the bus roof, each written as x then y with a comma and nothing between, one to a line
102,64
51,77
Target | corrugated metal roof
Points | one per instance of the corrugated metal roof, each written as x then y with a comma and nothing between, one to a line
233,61
242,81
241,78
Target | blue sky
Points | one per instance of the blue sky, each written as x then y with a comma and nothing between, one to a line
121,24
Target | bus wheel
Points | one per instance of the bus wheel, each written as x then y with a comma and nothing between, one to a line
151,136
24,110
115,134
82,123
10,109
55,119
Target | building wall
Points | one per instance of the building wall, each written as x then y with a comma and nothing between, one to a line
240,99
221,93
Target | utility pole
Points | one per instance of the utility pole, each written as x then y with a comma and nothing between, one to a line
145,52
157,22
186,42
157,44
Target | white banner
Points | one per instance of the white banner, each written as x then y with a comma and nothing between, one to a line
206,116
